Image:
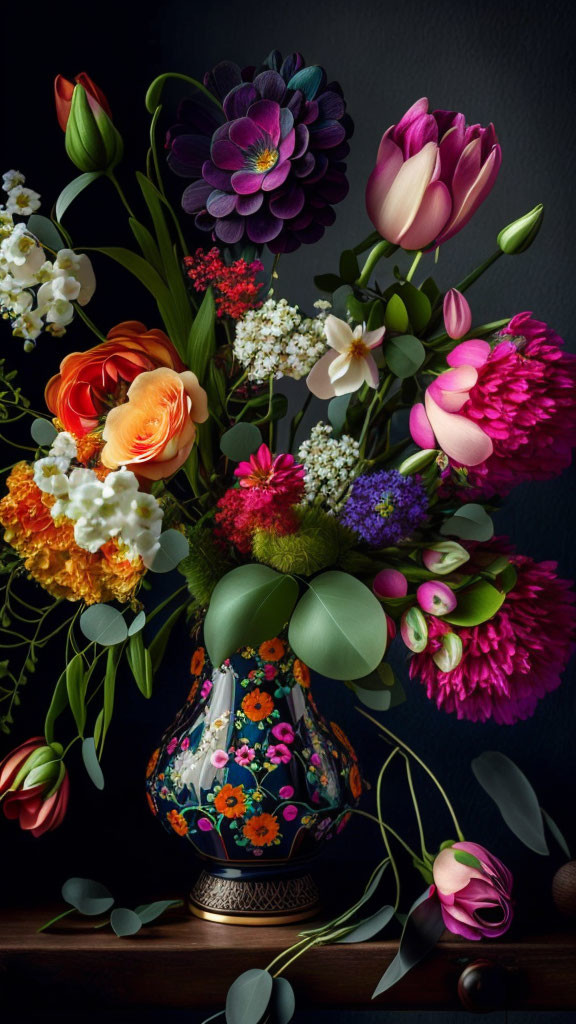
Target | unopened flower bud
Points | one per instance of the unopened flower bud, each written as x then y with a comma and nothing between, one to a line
436,598
418,461
414,630
92,141
457,314
445,557
450,654
390,583
519,235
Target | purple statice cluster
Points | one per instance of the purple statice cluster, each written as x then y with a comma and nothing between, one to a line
266,158
386,507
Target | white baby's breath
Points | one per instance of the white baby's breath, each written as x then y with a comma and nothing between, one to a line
277,340
330,465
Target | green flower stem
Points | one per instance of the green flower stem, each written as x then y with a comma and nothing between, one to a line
374,407
414,266
382,249
384,824
154,150
285,952
347,914
309,945
234,387
122,197
84,316
410,781
367,243
160,607
298,419
58,917
475,332
475,274
422,764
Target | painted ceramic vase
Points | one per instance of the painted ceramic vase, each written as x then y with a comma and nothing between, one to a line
256,780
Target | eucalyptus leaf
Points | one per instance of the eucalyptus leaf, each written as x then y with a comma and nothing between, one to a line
349,269
337,411
173,548
404,355
370,927
470,522
91,762
45,231
138,624
418,306
248,997
72,190
366,896
396,315
424,926
514,796
125,922
328,282
557,834
76,689
58,704
282,1003
475,605
140,664
241,441
250,604
88,897
43,432
377,700
148,912
103,625
338,627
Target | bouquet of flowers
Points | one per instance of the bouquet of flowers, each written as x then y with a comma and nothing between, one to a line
168,447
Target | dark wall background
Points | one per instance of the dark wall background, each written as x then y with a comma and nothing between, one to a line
507,62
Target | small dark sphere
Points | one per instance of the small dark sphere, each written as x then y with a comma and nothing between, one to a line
564,889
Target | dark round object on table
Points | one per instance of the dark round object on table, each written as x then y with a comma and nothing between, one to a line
482,987
564,889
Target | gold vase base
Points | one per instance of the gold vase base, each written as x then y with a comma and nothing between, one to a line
255,903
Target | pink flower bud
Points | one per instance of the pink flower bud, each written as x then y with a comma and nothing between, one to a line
449,655
436,598
35,786
444,557
474,889
414,630
390,583
457,314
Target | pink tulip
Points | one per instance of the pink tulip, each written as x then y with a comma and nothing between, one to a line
436,598
474,889
432,173
457,314
35,786
438,422
390,583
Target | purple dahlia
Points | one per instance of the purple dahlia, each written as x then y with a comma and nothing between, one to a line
269,165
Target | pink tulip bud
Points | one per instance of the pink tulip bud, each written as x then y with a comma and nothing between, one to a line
449,655
444,557
457,314
474,889
436,598
414,630
390,583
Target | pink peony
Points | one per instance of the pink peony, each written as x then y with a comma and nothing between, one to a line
474,892
507,413
510,662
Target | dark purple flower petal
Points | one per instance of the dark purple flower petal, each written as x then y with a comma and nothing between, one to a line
216,177
223,132
286,122
326,134
195,196
245,205
321,165
302,137
286,148
263,227
324,215
309,113
203,221
245,132
292,64
239,100
246,182
311,234
276,177
331,106
187,154
302,220
288,204
273,61
198,118
284,243
266,113
305,165
333,188
295,104
230,230
271,86
221,204
227,156
223,78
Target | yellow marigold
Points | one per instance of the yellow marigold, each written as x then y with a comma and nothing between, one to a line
50,553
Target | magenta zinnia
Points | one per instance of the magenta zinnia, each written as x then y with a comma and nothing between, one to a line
510,662
271,478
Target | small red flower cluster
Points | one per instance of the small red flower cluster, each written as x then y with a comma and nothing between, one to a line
235,286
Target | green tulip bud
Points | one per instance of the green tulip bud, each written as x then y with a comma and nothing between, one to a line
418,461
519,235
450,654
444,557
92,141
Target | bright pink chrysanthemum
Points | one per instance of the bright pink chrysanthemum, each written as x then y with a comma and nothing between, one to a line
507,413
268,478
510,662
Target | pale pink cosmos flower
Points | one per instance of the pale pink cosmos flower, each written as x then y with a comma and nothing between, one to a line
350,364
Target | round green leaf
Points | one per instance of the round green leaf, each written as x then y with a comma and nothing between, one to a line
45,231
328,282
418,306
91,762
103,625
404,355
514,796
471,522
43,431
338,627
396,315
173,548
88,897
248,997
475,605
371,927
337,410
349,269
125,922
138,624
241,441
283,1002
250,604
150,911
376,700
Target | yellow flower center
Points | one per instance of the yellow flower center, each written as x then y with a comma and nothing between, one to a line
358,349
265,160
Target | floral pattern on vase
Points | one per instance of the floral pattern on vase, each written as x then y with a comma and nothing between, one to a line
250,770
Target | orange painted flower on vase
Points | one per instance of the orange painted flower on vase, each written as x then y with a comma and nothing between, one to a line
355,781
261,829
178,822
271,650
152,763
153,432
90,383
301,673
257,705
231,801
197,662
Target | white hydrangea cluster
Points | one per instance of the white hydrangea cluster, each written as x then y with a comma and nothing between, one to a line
276,340
24,267
100,509
330,465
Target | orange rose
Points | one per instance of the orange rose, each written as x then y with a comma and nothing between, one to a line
89,383
153,432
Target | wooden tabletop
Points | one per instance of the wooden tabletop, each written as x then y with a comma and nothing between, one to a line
186,963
